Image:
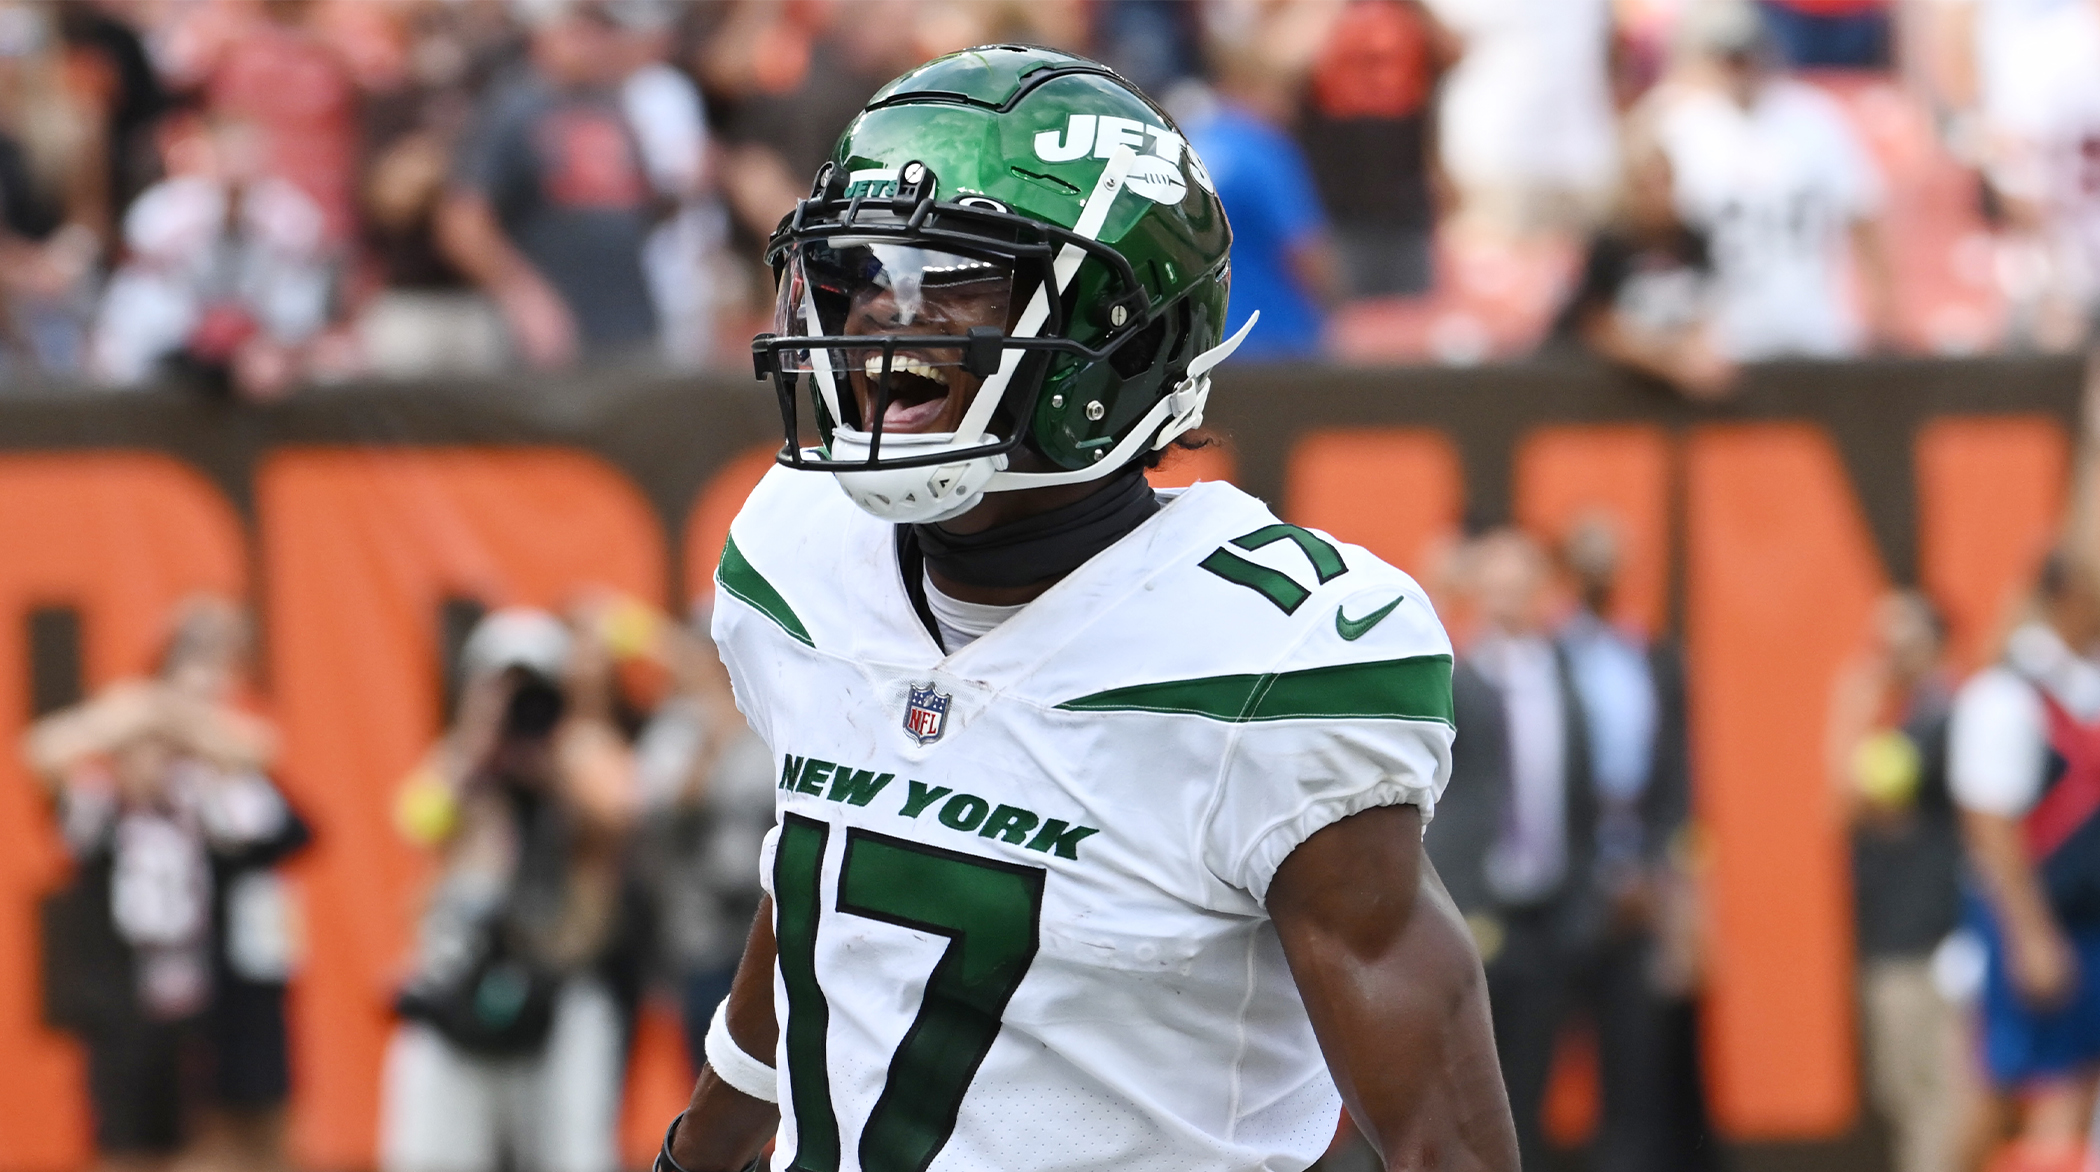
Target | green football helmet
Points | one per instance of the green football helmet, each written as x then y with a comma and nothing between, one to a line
1017,221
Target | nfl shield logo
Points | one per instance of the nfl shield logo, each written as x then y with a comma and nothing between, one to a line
926,714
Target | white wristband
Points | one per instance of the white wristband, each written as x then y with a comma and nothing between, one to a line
735,1067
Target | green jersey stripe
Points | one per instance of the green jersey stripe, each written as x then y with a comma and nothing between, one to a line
1416,688
739,578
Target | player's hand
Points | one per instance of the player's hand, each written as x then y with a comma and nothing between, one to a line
2044,968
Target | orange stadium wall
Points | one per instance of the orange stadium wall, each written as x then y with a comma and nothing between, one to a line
1758,534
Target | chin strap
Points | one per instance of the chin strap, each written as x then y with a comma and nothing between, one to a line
1185,404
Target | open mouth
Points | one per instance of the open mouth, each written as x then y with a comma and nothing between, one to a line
918,392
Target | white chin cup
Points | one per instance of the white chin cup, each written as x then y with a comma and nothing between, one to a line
914,496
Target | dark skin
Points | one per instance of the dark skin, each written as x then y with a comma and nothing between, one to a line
1382,959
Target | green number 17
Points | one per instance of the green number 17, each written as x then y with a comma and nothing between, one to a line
988,910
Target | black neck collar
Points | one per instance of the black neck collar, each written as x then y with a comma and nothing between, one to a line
1043,547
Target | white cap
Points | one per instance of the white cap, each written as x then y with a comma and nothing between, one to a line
516,636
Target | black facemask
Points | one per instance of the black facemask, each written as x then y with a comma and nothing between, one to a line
1045,546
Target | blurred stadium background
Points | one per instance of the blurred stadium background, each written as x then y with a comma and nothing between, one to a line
1734,321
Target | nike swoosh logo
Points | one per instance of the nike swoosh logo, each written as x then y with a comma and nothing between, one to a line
1354,629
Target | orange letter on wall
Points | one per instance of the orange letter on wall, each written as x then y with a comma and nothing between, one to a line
1990,498
1782,576
1566,473
362,548
1394,491
120,537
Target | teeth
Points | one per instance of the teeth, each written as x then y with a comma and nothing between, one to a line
902,364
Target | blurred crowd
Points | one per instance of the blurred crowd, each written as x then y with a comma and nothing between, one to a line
594,810
1972,810
259,195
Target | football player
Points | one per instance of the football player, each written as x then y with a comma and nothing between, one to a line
1100,808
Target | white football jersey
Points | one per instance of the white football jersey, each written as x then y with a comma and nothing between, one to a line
1018,890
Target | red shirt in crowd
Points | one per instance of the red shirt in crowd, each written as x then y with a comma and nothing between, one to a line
1833,7
300,92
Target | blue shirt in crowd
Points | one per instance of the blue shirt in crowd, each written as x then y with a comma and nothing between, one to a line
1268,194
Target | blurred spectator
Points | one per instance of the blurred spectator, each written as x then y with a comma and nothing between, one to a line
1830,34
1888,762
1630,701
1644,986
1283,261
169,951
1368,127
669,119
1526,123
1471,814
705,784
510,1045
2024,765
210,660
113,74
551,206
1536,868
1645,297
270,65
425,317
227,280
2036,65
1771,172
1557,839
53,205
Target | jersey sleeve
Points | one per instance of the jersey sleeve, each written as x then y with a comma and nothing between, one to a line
1327,736
727,629
1995,749
755,627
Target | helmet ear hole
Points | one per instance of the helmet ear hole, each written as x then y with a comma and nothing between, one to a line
1135,355
1184,329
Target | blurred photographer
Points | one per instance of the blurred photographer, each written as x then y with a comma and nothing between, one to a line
168,952
704,782
1886,755
510,1048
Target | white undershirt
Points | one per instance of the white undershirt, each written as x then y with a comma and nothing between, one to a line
963,623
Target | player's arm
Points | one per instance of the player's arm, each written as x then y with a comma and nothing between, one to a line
723,1128
1396,993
